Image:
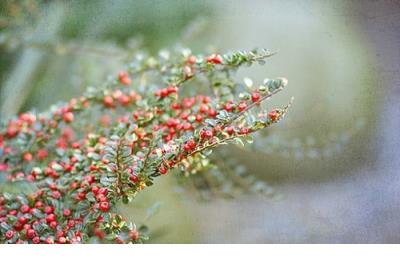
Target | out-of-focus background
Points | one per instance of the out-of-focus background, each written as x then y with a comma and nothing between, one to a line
333,163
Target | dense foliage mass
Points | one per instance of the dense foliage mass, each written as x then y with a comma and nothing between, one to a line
76,161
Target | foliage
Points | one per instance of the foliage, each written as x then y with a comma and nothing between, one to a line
68,167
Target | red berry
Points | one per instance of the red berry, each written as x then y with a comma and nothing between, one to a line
24,208
230,130
199,118
9,234
53,224
42,154
134,179
124,100
164,93
48,209
242,106
39,204
228,107
95,190
56,194
62,240
191,60
68,117
134,235
205,134
22,220
67,212
163,170
36,240
124,78
27,156
30,233
255,96
49,240
108,101
104,206
212,113
244,131
103,191
50,218
273,115
214,59
172,89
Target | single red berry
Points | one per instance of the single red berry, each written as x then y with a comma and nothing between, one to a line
36,240
50,218
49,240
108,101
53,224
273,115
24,208
199,118
244,131
9,234
242,106
22,220
68,117
67,212
124,100
62,240
164,92
212,113
28,156
103,191
104,206
48,209
230,130
56,194
30,233
95,190
163,170
134,235
255,96
39,204
134,179
191,60
42,154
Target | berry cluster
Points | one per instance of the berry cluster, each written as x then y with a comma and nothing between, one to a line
78,169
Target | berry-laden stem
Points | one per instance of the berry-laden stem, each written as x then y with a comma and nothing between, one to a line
84,157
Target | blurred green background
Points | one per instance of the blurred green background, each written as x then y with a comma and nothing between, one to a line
315,157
